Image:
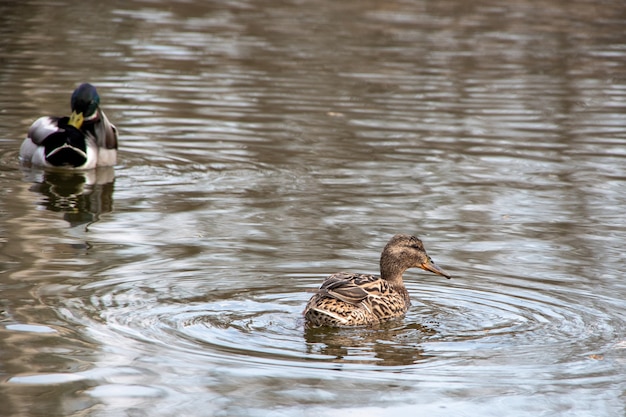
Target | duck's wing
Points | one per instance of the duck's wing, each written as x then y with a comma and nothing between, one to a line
106,133
352,288
42,128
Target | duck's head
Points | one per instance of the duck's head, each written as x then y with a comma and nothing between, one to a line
403,252
85,102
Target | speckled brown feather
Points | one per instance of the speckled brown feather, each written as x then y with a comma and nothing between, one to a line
349,299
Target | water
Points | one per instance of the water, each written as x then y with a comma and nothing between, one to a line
265,146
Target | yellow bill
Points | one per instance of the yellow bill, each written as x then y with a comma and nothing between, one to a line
76,120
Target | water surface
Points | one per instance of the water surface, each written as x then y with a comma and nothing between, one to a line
267,145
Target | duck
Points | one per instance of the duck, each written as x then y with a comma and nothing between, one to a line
84,140
348,299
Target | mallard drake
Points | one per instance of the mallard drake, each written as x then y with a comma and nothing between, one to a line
84,140
349,299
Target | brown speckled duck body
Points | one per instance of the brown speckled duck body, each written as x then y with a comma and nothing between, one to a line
349,299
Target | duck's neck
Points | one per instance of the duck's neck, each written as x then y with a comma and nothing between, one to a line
391,271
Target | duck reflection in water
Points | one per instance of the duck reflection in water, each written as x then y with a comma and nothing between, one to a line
387,344
82,196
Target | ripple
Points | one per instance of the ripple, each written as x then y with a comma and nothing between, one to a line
515,335
31,328
264,327
446,322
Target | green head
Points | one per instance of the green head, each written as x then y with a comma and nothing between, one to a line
85,102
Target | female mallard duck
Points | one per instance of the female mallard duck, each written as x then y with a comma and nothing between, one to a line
84,140
347,299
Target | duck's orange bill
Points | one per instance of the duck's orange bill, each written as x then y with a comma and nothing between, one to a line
429,266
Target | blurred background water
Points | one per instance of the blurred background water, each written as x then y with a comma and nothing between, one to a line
265,145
